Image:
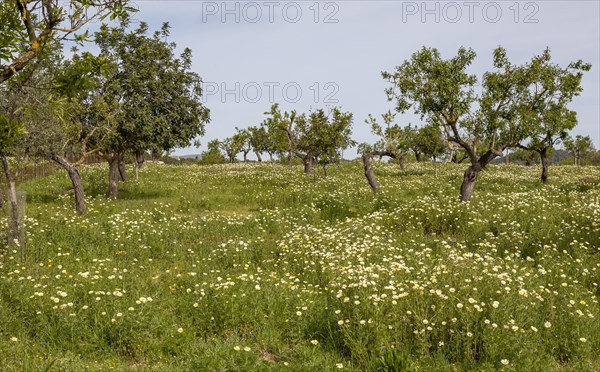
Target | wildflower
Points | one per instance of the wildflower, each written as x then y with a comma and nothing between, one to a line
247,348
14,339
583,339
547,324
459,305
180,330
237,348
314,342
339,365
504,361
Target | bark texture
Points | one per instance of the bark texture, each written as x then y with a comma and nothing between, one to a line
545,165
368,167
80,204
113,176
123,171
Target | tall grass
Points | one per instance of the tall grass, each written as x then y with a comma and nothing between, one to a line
242,267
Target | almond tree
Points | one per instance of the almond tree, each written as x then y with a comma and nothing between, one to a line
545,104
316,137
394,142
578,147
259,141
443,92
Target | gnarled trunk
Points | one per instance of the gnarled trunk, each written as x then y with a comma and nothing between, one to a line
468,184
113,176
401,161
366,159
80,205
369,173
545,165
417,156
122,171
258,156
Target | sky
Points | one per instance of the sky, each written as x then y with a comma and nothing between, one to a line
307,55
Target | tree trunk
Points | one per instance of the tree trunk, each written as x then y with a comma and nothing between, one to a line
271,157
468,185
122,171
401,161
245,156
140,161
258,156
324,170
80,205
14,233
544,161
113,176
308,164
417,156
366,159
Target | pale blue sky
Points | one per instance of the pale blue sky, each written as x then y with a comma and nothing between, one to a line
351,42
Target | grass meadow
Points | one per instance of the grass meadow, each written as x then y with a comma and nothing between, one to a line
246,267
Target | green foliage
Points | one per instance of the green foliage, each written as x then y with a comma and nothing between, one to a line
579,147
11,131
544,103
28,28
316,137
154,95
516,102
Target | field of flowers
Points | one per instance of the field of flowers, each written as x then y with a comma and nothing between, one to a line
249,267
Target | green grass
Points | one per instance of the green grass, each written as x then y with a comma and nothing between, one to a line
193,264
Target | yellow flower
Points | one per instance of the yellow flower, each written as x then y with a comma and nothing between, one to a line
14,339
547,324
504,361
180,330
